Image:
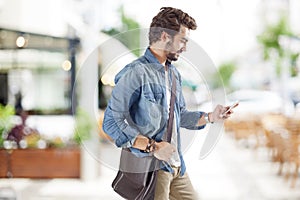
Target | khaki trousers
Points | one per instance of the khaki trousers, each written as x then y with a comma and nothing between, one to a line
173,186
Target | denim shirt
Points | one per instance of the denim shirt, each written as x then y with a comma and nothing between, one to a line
138,105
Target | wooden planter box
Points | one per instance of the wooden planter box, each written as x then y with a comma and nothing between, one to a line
40,163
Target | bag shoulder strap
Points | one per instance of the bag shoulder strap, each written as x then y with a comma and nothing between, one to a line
171,111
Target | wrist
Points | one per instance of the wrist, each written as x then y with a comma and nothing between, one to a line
157,146
208,117
151,146
141,142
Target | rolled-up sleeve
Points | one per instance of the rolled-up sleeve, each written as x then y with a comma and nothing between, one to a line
117,117
189,119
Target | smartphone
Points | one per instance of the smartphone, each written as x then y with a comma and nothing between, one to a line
231,107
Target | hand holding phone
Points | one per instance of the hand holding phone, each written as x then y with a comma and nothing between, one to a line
230,108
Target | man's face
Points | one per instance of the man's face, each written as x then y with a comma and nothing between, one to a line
177,44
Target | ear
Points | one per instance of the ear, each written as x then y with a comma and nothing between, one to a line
165,37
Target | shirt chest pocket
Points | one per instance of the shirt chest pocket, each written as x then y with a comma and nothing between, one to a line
154,97
153,93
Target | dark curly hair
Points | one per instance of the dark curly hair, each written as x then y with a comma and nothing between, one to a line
169,20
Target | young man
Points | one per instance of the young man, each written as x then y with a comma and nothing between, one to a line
138,111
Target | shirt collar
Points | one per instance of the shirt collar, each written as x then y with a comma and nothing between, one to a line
152,59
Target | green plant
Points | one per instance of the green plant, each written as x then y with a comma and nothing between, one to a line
6,114
130,40
269,39
224,72
83,126
294,70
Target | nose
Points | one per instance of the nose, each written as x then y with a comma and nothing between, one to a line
184,47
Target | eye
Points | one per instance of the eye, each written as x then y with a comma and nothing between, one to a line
184,41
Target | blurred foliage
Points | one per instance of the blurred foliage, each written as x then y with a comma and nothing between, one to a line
57,142
189,84
32,137
32,140
132,40
269,39
294,69
225,71
6,114
83,126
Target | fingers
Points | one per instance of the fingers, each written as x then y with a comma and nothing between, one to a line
224,112
165,152
169,150
225,108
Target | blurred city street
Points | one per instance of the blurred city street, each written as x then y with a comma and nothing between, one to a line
58,64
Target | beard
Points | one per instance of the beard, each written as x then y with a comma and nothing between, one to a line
170,55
